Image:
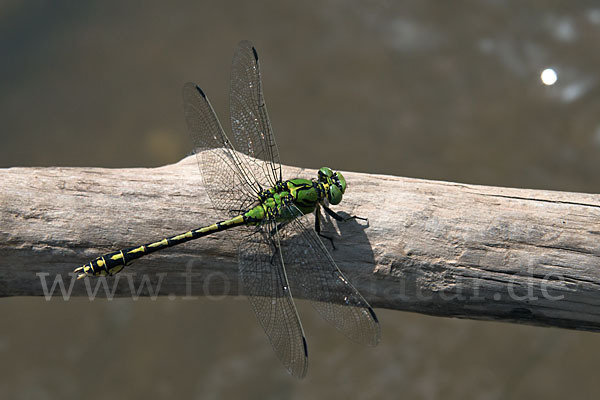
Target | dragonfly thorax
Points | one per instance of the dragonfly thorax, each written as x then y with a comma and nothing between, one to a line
273,202
305,194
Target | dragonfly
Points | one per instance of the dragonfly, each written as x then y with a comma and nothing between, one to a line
277,246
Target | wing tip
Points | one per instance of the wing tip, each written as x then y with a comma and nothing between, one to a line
255,53
190,87
373,315
301,373
377,337
305,345
200,91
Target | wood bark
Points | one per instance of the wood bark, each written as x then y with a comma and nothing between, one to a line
439,248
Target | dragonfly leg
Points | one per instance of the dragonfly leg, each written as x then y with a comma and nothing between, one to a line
318,225
338,217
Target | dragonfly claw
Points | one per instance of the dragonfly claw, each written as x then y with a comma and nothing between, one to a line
82,273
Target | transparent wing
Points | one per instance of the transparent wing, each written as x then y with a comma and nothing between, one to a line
265,283
228,176
249,118
310,265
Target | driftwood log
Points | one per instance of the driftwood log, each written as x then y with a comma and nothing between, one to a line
439,248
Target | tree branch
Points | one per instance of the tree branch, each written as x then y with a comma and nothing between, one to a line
438,248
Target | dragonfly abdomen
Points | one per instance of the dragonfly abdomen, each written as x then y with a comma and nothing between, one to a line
112,263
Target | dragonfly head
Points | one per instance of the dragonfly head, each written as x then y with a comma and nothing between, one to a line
335,184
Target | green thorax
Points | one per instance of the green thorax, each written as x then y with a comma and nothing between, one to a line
303,193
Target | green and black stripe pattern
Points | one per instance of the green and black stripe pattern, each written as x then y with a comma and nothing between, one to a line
281,251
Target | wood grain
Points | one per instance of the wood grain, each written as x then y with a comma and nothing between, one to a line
439,248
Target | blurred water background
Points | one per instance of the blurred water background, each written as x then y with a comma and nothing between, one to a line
428,89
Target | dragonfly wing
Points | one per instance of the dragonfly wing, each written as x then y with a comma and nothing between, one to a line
310,265
249,118
228,178
265,283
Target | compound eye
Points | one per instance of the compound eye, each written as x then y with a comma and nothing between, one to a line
325,172
340,181
335,195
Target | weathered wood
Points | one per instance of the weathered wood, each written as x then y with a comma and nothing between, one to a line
439,248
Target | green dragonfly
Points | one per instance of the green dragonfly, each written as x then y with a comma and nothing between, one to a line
277,245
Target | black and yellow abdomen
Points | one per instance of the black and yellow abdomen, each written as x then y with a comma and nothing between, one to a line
112,263
303,193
